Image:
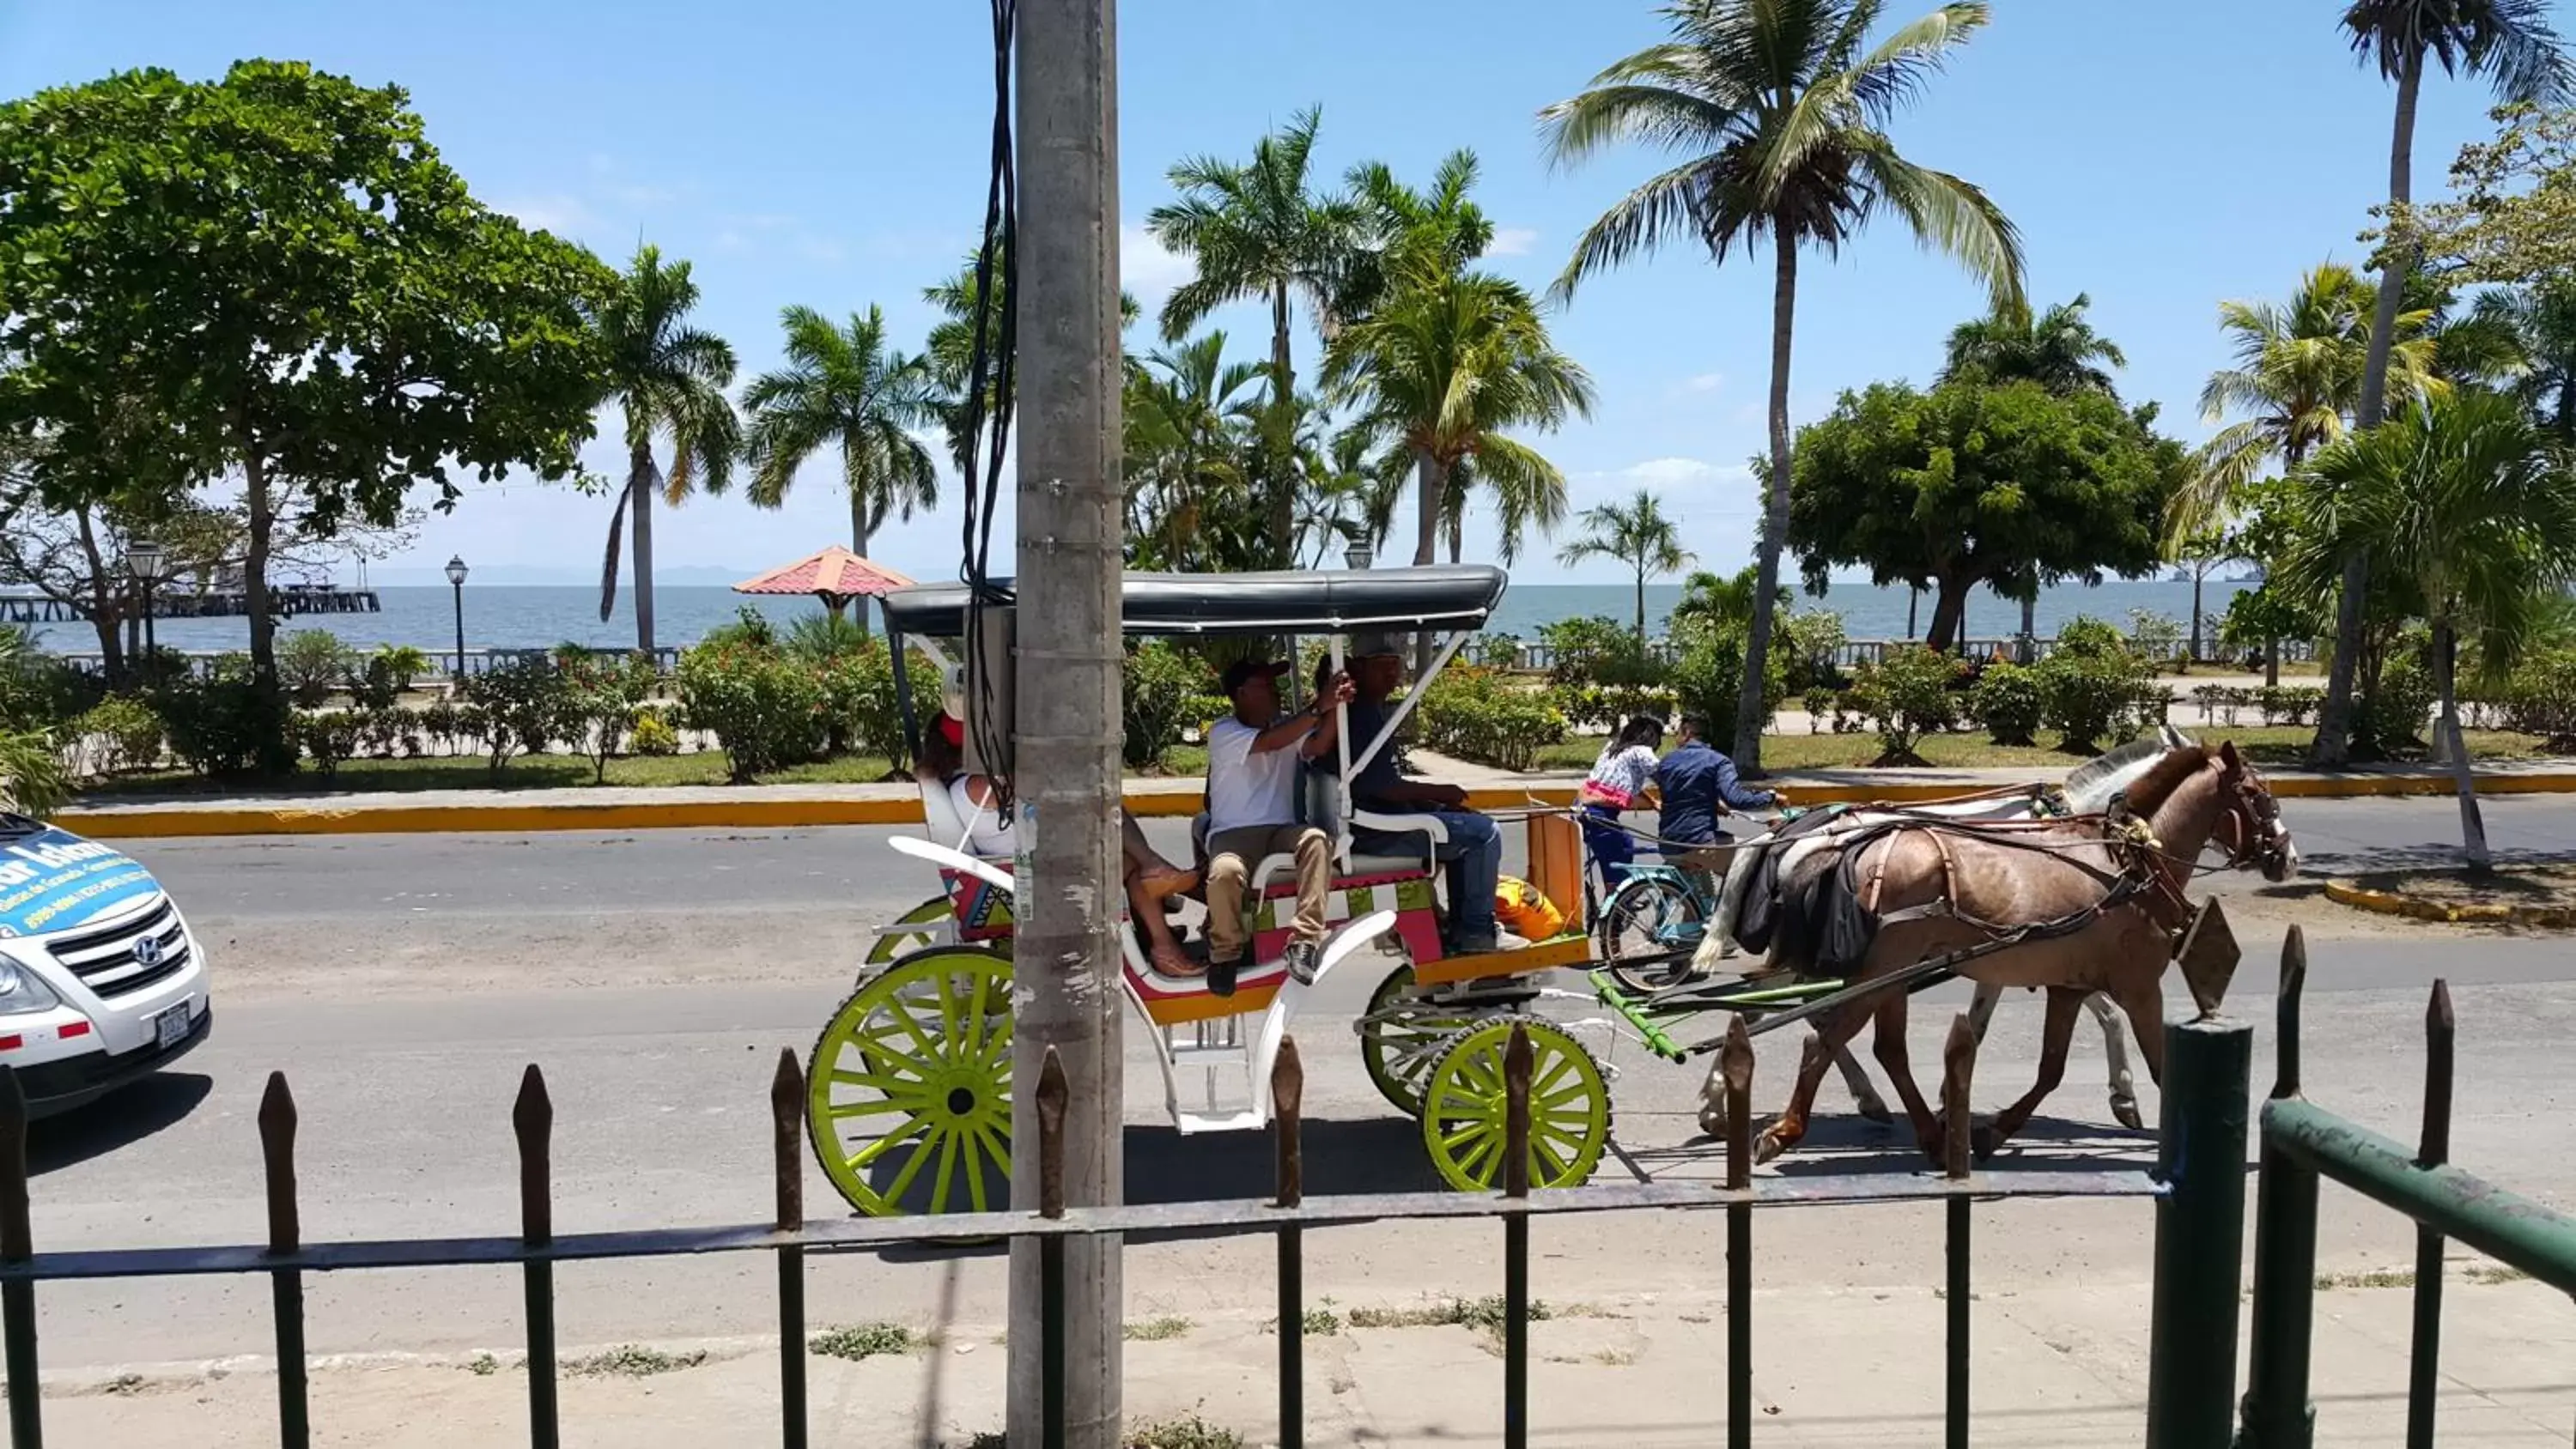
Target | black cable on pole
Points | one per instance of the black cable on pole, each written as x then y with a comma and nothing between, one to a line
990,379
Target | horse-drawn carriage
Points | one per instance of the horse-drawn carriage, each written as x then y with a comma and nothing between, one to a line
910,1095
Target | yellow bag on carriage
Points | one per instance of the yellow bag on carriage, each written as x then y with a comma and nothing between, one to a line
1525,912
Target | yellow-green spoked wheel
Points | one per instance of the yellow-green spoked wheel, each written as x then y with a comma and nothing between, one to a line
908,1101
1464,1112
1400,1042
893,944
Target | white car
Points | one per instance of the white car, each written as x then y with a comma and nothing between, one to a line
101,982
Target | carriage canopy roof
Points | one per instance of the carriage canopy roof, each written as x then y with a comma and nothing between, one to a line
1453,598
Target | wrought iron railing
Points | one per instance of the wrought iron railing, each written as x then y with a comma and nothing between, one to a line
2302,1143
286,1258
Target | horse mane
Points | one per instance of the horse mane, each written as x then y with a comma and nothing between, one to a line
2130,758
2157,785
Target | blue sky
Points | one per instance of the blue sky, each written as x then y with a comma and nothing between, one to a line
832,153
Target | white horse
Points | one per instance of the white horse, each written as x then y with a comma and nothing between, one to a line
2088,790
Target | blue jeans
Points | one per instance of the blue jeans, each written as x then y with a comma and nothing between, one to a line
1613,848
1473,854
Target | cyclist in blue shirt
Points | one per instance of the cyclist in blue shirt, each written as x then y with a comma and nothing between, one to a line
1699,786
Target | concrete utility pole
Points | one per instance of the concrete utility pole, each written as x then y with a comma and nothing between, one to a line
1066,762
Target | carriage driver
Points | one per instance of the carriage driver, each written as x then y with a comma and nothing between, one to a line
1473,853
1253,760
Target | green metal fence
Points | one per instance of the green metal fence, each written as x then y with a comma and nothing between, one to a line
2193,1378
286,1258
2302,1143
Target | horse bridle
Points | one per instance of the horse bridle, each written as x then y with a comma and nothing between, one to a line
2261,843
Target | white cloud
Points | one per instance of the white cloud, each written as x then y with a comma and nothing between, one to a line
1669,471
562,215
1148,268
1513,241
1704,382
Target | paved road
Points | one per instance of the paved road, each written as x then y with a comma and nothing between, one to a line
403,982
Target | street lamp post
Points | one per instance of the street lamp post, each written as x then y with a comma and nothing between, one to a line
147,562
456,577
1359,555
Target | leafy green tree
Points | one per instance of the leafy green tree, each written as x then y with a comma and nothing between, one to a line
949,353
276,276
2470,505
1259,232
843,388
1780,109
1967,484
2512,219
670,379
2058,349
2510,44
1637,534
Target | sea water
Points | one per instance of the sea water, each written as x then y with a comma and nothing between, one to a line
508,616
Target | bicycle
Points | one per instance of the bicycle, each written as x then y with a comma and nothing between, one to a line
1650,924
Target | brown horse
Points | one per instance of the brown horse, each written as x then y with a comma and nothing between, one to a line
2106,902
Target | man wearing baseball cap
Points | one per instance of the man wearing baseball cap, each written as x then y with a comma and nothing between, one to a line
1253,759
1473,853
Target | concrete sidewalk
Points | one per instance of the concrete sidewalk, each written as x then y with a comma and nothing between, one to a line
322,812
2056,1364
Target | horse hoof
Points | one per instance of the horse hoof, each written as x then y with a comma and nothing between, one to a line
1876,1111
1712,1122
1984,1142
2124,1110
1766,1147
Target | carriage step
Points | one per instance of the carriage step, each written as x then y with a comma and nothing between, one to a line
1247,1120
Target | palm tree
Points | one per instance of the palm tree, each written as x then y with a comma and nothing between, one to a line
1724,601
1446,364
2298,373
2468,502
1187,433
1780,109
2542,321
2058,349
1348,495
2510,43
949,352
844,388
1398,228
1258,232
1637,534
669,378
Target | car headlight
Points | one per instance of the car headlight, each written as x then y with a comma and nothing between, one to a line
22,991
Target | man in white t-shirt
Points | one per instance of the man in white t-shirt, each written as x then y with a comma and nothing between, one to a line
1253,759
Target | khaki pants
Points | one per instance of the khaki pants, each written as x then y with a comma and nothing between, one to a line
1231,856
1708,864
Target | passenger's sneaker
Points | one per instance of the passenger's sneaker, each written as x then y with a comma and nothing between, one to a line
1477,943
1221,974
1303,960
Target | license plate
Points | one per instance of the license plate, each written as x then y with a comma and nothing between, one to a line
170,1027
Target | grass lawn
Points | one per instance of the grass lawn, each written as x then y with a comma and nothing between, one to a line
2278,746
545,772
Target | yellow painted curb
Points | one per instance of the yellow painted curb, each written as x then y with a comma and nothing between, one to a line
2348,787
781,814
2393,903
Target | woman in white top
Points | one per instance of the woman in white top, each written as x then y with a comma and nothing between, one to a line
1150,879
1617,782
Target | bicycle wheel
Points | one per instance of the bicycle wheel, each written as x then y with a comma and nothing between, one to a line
1649,927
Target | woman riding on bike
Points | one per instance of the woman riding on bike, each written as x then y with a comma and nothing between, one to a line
1617,781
